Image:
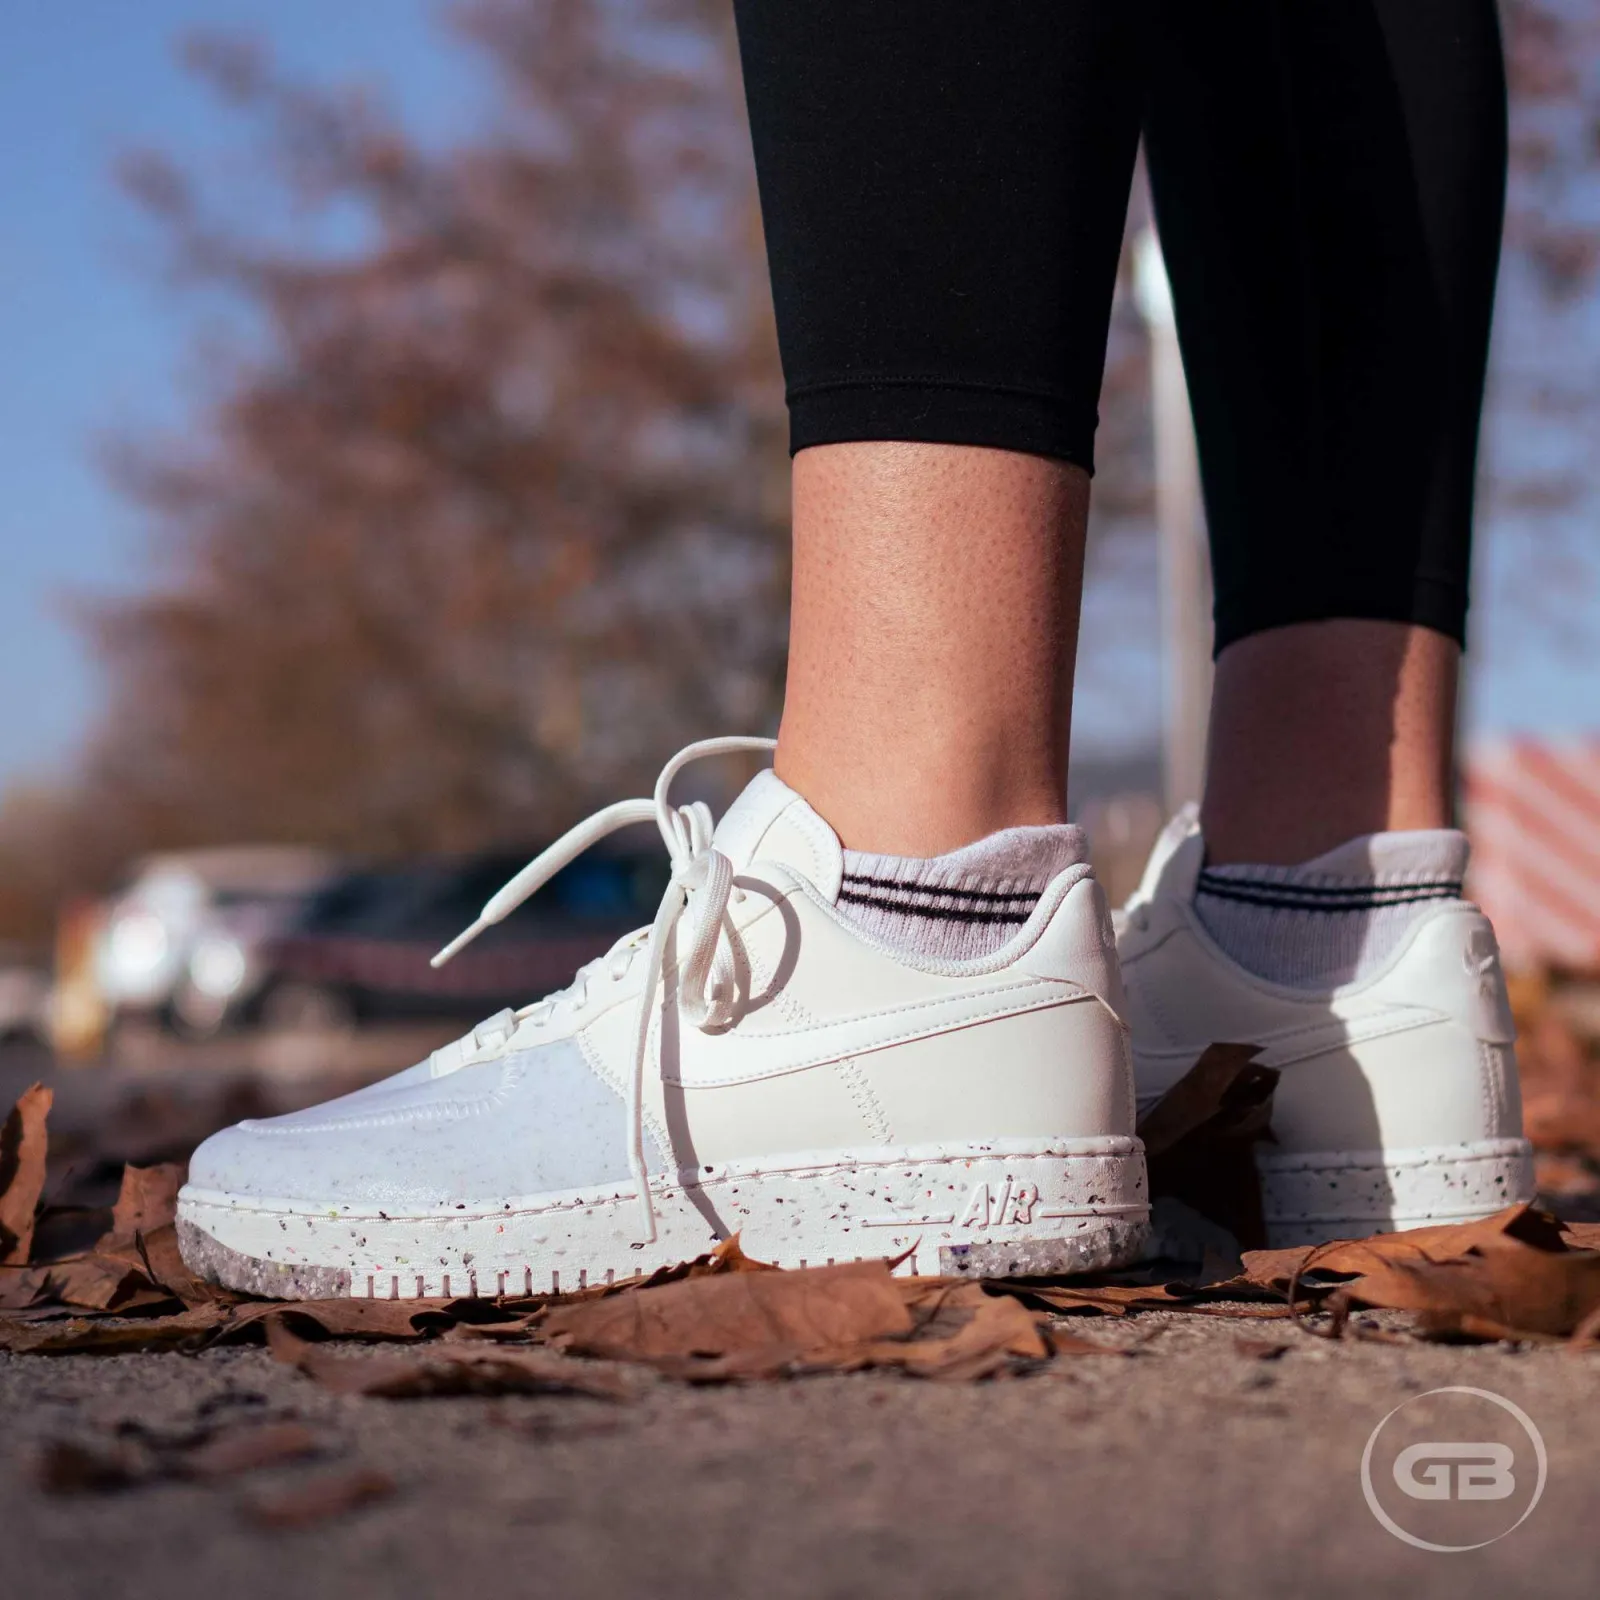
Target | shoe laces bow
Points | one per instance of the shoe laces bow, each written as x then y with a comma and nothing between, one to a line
712,963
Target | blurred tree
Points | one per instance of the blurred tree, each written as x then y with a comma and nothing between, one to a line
492,517
489,513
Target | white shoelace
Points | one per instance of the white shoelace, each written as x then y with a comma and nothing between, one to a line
716,966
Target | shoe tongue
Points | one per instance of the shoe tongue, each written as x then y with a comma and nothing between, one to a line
770,822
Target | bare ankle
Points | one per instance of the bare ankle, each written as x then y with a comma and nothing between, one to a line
1323,731
936,592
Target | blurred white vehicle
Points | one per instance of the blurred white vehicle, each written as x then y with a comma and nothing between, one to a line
24,1003
172,946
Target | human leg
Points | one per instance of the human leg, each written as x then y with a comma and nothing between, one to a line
1328,180
943,189
789,1052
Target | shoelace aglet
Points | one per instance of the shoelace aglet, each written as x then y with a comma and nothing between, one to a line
460,942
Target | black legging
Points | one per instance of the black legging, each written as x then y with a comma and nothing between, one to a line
944,183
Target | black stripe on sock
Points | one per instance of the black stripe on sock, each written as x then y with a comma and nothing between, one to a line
932,900
1292,897
857,880
860,897
1209,878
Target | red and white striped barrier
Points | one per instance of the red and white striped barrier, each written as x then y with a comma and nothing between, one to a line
1532,809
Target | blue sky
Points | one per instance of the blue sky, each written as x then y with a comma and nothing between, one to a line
92,341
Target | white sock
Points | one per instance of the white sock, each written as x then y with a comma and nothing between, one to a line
963,904
1334,919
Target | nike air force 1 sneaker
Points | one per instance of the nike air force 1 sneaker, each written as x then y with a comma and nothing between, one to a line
753,1064
1397,1104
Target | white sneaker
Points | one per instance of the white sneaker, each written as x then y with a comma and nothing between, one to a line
776,1072
1398,1102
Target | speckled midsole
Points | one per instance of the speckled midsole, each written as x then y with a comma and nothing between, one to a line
988,1209
1314,1196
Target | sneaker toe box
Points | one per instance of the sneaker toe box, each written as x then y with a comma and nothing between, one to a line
527,1123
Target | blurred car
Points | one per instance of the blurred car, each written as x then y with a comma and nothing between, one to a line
359,950
151,932
24,1001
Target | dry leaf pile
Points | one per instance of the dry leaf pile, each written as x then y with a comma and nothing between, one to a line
726,1317
136,1455
136,1458
1559,1052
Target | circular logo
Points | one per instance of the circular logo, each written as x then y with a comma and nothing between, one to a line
1454,1469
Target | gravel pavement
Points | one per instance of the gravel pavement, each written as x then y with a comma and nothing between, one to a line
1196,1465
1193,1467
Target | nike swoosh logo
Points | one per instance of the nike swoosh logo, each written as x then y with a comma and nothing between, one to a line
705,1060
1283,1046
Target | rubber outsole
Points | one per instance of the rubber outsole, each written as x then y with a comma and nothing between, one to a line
999,1209
1314,1197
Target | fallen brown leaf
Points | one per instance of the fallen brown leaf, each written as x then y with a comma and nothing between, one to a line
21,1286
109,1335
103,1283
514,1329
728,1256
1234,1297
68,1466
1199,1139
157,1250
1276,1269
402,1321
724,1328
1261,1349
71,1466
135,1264
144,1236
1587,1332
1063,1343
969,1334
65,1228
1114,1299
440,1370
1582,1235
331,1494
148,1199
23,1139
247,1446
800,1313
1503,1289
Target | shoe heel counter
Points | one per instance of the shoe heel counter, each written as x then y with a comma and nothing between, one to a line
1458,970
1502,1090
1450,1080
1453,966
1060,1071
1079,945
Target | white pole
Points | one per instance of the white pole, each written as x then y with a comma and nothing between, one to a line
1185,562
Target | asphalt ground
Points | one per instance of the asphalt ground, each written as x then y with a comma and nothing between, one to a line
1201,1463
1194,1466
